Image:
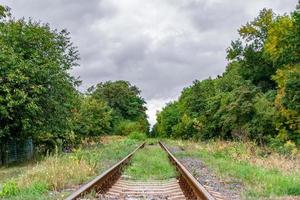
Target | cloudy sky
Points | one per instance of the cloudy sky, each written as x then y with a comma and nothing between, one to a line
161,46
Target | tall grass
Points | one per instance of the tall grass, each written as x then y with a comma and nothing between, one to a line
58,172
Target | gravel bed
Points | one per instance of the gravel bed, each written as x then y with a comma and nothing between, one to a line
229,188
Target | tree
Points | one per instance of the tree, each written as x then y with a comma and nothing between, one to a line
287,102
256,98
125,102
93,118
167,119
37,93
122,97
263,124
248,50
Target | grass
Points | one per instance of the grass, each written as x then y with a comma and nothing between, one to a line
7,173
265,174
49,178
150,163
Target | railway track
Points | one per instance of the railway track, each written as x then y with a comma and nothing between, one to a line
112,185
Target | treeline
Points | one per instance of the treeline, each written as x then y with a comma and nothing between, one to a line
258,96
38,96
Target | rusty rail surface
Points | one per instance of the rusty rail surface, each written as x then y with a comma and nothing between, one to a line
191,187
105,180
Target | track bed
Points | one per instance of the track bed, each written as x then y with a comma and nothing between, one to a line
114,184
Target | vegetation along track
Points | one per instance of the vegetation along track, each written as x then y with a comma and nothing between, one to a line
112,185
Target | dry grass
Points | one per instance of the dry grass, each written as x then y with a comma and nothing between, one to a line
7,173
57,172
249,152
263,172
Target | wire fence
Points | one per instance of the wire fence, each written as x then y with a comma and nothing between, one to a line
15,150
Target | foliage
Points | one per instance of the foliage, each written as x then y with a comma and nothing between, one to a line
122,97
288,103
166,120
127,106
38,98
256,98
37,93
127,127
94,117
248,50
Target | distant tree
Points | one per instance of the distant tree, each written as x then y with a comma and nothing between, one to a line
122,97
93,118
288,103
193,99
125,102
167,119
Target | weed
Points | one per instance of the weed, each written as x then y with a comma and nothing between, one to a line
58,172
61,171
263,174
10,188
150,162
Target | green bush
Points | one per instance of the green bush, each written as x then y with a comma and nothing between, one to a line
137,136
285,148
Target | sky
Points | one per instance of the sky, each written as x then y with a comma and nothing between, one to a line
161,46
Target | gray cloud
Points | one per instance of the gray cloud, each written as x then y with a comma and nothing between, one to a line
159,45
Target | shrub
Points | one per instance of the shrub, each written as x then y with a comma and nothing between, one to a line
285,148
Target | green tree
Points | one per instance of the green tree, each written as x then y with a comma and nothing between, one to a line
256,98
37,93
263,123
125,101
248,50
93,118
193,99
124,98
283,41
167,119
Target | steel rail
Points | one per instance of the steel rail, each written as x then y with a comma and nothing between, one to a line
105,180
192,188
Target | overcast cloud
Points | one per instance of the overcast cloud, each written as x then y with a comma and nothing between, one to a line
161,46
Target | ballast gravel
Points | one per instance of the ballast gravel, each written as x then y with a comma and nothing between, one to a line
227,188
